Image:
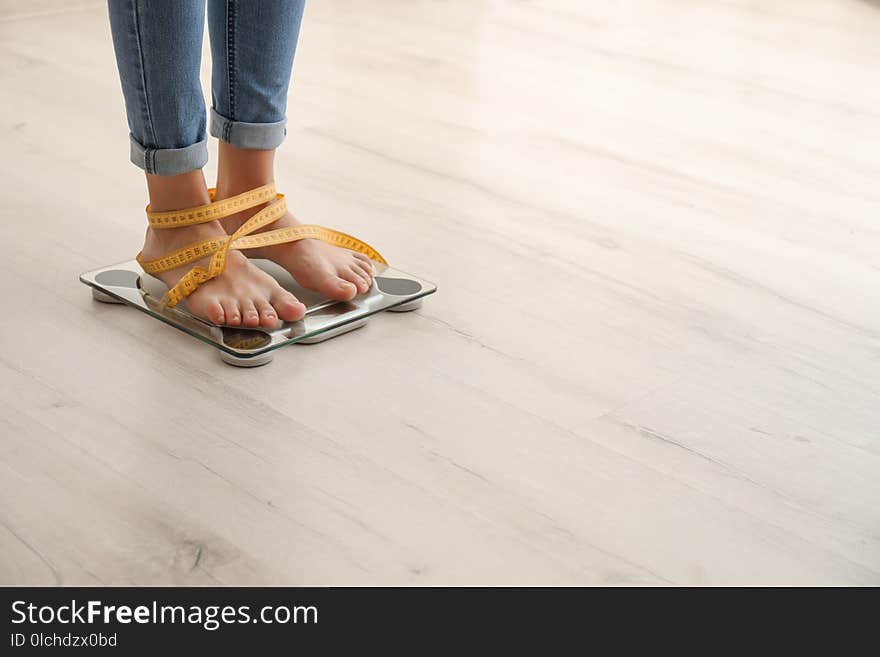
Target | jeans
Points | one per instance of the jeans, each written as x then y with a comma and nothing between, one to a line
158,46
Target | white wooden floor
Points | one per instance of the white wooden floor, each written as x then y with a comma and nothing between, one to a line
654,356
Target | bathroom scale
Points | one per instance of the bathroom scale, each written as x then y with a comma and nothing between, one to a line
393,290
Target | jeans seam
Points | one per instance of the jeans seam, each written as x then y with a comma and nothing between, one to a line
143,71
230,63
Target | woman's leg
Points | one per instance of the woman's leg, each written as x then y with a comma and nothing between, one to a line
158,52
252,46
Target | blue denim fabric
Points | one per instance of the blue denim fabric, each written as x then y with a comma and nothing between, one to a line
158,52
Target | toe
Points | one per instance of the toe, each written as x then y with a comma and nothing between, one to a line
207,307
358,277
249,315
289,308
338,288
215,313
360,257
268,316
232,312
364,269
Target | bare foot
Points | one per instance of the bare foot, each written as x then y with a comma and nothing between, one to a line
243,295
335,272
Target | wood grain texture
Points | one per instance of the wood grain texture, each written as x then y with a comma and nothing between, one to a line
655,353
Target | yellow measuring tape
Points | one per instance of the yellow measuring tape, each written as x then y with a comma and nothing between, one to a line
243,238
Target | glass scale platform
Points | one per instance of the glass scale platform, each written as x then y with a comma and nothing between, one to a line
393,290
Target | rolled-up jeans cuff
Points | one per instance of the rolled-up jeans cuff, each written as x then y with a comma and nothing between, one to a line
169,161
262,136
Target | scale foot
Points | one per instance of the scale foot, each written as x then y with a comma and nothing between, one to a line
253,361
97,295
406,307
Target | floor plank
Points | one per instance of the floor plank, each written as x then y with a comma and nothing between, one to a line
653,358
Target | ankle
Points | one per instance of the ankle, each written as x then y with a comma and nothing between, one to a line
186,190
160,240
243,169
